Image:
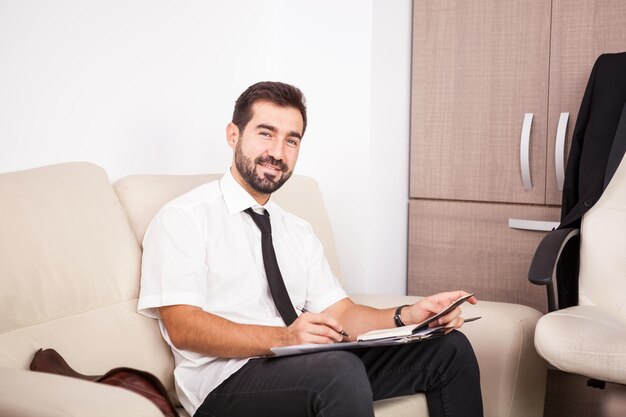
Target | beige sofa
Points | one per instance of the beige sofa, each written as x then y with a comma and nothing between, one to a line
69,275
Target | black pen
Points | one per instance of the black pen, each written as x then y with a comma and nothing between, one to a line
304,310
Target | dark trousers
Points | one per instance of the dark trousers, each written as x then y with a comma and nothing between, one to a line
345,383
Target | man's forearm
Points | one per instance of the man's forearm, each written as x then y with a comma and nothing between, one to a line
191,328
358,319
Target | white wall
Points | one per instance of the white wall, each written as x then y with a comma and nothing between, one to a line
148,87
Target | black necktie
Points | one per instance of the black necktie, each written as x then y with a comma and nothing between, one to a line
274,278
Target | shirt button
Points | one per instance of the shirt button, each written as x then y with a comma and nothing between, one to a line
588,203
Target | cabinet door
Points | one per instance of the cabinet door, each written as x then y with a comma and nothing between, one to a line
478,67
468,245
581,31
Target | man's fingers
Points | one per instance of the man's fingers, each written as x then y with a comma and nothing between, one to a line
436,307
327,332
455,323
455,295
450,317
315,339
322,319
318,328
431,306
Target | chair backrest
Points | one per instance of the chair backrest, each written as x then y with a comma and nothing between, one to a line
590,187
602,276
142,196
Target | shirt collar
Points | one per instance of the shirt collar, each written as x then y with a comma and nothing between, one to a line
237,198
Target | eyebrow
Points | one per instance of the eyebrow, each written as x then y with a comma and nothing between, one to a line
293,133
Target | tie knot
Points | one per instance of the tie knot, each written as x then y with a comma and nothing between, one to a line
262,220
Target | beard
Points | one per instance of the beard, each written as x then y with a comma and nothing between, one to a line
266,184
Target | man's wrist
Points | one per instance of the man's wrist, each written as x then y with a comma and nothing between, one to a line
397,317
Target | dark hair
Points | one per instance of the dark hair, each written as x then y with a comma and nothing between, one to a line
278,93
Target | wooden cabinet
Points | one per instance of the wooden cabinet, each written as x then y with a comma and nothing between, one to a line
466,243
479,67
581,31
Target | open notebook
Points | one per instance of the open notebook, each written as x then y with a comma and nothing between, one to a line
383,337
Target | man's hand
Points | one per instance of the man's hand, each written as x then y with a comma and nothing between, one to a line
432,305
313,328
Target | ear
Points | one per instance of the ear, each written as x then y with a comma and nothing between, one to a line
232,135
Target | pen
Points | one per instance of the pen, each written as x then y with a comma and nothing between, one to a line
304,310
470,319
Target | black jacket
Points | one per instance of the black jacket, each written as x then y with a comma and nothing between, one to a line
588,172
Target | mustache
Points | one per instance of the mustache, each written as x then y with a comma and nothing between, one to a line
272,161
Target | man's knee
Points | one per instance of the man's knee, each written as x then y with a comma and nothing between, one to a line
343,369
461,344
346,384
459,352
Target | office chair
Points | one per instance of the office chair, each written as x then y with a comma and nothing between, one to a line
583,261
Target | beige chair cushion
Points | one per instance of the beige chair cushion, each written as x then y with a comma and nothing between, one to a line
584,340
69,273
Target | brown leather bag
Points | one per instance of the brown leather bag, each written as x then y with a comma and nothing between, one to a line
140,382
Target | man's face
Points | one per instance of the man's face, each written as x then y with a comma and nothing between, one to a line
265,153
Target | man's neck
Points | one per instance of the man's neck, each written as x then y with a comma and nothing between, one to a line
260,198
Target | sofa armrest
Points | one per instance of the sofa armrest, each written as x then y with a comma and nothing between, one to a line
26,393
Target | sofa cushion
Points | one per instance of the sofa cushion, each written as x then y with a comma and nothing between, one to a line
69,273
28,394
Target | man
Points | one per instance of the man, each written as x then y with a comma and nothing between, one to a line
205,277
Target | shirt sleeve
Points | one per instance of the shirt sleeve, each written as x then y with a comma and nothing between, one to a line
173,268
323,288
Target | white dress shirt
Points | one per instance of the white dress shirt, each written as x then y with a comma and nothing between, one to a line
201,249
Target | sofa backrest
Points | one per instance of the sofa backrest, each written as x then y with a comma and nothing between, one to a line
142,196
69,274
70,259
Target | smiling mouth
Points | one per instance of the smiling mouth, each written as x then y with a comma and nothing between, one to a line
270,172
271,167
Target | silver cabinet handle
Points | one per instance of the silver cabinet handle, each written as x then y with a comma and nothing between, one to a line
559,150
535,225
524,151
